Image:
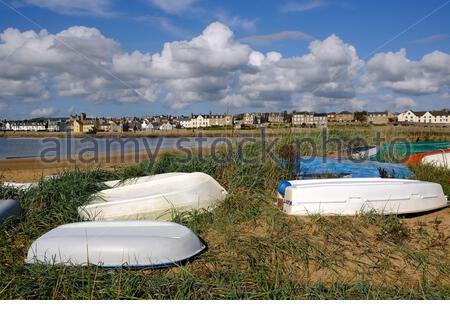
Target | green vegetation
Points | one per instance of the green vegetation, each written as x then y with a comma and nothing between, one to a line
254,250
430,173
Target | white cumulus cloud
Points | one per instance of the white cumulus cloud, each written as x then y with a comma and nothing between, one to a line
393,70
213,67
43,112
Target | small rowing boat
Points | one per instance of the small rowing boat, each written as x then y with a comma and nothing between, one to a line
353,196
155,197
438,158
136,244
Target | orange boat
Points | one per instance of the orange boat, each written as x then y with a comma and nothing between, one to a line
439,158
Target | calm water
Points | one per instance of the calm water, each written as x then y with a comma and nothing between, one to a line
35,147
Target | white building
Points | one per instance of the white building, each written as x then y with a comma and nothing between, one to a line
200,121
185,122
26,126
435,117
196,121
166,126
410,116
147,125
250,119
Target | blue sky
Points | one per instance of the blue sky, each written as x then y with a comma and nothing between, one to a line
326,56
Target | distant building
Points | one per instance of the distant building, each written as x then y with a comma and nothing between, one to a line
276,118
224,120
119,126
26,126
250,119
331,117
85,126
200,121
185,122
442,116
147,125
379,117
166,126
135,125
206,121
257,119
434,117
300,119
104,125
303,118
57,126
345,116
81,124
410,116
320,119
34,125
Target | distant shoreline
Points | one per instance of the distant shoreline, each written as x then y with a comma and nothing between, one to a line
223,133
156,133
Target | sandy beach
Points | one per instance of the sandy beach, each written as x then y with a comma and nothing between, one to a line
28,170
33,169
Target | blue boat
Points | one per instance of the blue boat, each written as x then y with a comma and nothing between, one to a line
334,167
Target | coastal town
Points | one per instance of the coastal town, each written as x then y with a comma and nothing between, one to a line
83,124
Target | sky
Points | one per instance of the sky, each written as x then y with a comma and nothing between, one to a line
144,57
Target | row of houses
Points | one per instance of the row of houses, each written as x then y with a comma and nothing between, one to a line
425,117
82,124
34,125
298,119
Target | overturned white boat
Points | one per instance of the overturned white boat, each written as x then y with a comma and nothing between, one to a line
114,244
154,198
441,159
353,196
438,158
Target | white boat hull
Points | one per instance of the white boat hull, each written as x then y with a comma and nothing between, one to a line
354,196
155,198
439,159
115,244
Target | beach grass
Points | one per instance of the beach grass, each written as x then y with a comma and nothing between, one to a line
254,250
